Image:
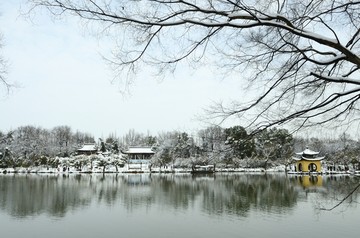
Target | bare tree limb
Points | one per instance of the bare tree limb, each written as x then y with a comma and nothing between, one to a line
296,49
342,200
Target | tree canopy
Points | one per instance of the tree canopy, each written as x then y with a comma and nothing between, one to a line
300,56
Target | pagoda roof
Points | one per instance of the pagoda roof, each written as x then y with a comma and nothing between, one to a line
308,159
307,152
308,155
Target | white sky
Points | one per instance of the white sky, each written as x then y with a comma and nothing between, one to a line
64,81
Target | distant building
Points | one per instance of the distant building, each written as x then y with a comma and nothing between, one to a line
88,149
139,154
308,161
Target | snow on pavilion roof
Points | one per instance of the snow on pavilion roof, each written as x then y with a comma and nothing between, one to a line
309,155
309,159
308,152
88,147
139,150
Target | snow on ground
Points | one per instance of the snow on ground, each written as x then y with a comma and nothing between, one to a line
127,168
66,167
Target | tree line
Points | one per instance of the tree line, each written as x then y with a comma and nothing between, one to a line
31,145
234,147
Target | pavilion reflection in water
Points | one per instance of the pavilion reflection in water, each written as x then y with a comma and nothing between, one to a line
310,183
307,181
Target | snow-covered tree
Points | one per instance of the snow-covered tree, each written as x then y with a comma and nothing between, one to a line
104,163
6,158
6,138
240,143
164,151
302,57
30,143
212,138
175,147
62,136
274,144
102,145
185,146
117,161
79,138
112,143
150,140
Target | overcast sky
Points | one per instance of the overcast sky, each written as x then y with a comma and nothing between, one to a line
64,81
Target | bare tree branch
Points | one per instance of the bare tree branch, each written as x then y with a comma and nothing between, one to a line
342,200
302,52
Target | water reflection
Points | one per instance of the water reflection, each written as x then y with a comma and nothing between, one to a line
22,196
308,181
31,195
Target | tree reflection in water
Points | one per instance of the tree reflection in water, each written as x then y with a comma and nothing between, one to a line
221,194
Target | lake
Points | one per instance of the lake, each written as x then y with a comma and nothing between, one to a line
177,205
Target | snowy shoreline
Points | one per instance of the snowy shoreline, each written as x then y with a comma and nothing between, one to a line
156,170
128,170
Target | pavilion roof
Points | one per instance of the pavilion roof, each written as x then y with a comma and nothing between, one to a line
308,152
88,147
139,150
309,159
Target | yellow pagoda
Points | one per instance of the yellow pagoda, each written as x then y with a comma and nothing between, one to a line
308,162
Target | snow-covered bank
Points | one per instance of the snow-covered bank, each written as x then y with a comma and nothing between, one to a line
145,168
129,168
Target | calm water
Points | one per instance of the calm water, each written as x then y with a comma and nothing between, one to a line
143,205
